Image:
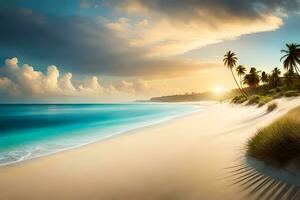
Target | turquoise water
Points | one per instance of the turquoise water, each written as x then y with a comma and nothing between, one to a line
29,131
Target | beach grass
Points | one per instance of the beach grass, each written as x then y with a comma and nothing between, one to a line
254,99
272,106
279,143
263,99
239,99
291,93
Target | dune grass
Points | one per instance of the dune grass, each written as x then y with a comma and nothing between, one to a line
264,100
262,95
239,99
291,93
254,99
279,143
259,100
272,106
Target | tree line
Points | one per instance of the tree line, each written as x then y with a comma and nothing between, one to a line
253,78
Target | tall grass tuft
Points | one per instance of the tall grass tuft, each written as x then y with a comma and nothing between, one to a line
264,100
272,106
279,143
254,99
291,93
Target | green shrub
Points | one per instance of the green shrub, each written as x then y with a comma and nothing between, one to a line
279,89
279,143
278,95
291,93
239,99
254,99
264,100
242,100
272,106
235,99
273,91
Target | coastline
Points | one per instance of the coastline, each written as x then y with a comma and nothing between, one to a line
179,158
102,133
108,137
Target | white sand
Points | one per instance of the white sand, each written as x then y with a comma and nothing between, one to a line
180,159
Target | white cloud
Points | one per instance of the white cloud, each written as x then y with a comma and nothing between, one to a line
91,87
66,84
51,80
28,82
7,87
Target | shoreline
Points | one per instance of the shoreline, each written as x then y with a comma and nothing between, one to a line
117,134
180,158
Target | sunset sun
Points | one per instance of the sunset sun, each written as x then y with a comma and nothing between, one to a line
219,89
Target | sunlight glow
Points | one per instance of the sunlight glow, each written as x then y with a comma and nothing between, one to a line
219,89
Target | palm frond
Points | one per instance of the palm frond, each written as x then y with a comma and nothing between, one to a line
283,57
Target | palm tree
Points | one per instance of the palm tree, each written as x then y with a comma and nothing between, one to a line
288,77
252,79
241,71
291,57
275,79
230,60
264,77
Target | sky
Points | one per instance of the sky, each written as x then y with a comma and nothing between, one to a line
110,50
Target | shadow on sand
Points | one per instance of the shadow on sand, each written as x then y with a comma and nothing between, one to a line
258,181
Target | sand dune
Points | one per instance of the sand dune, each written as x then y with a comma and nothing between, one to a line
181,159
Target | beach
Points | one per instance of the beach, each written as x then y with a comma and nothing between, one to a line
183,158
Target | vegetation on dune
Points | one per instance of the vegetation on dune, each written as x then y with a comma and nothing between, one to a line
264,100
239,99
272,106
262,87
254,99
254,87
279,143
291,93
258,100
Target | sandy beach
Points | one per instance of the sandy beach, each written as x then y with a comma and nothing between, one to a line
180,159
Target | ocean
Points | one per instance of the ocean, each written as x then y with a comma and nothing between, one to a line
32,130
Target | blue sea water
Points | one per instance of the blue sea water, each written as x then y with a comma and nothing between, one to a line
29,131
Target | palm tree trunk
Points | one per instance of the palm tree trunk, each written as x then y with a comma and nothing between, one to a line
241,84
237,83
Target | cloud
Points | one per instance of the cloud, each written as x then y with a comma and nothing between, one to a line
7,87
172,27
83,45
137,86
219,9
92,86
144,41
27,83
66,83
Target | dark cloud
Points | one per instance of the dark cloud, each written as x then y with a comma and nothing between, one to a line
80,44
189,9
